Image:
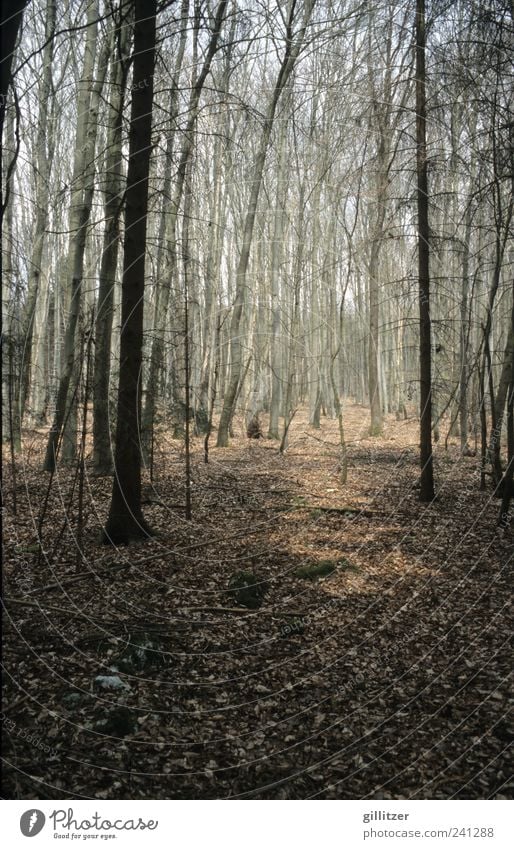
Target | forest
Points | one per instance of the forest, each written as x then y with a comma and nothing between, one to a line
257,398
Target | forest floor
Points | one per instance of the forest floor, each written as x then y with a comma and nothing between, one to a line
384,677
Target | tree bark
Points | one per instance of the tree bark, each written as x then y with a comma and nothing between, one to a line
165,284
425,364
80,208
125,521
236,359
10,23
464,337
276,258
113,200
45,146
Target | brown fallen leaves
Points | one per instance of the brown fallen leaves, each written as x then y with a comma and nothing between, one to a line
387,678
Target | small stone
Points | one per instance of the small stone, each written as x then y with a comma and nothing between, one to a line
110,682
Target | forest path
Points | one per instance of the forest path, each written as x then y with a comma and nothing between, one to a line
397,654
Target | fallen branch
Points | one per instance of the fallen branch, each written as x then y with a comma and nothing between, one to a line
323,441
80,577
37,605
343,511
346,511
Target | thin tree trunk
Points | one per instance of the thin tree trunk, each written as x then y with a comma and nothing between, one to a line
165,285
236,351
276,258
464,337
12,343
499,402
375,401
507,482
186,261
102,452
126,520
44,156
425,367
493,450
80,208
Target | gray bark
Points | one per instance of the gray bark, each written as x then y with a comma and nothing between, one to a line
80,208
236,359
44,158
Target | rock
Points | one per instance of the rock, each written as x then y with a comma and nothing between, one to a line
110,682
73,698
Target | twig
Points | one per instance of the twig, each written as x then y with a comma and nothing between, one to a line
23,602
323,441
80,577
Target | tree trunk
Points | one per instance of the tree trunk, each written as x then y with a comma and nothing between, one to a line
165,284
113,200
12,14
80,208
425,365
276,258
12,342
507,481
125,520
497,405
236,359
44,156
373,352
504,383
464,337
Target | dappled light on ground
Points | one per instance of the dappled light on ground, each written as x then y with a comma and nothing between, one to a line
371,662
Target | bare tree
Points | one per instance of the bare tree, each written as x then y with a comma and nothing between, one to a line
125,521
88,100
113,194
425,340
294,43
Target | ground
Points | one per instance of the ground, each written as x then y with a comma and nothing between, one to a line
383,676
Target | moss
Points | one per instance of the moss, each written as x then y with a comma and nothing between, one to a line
247,589
120,721
312,571
324,568
34,548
